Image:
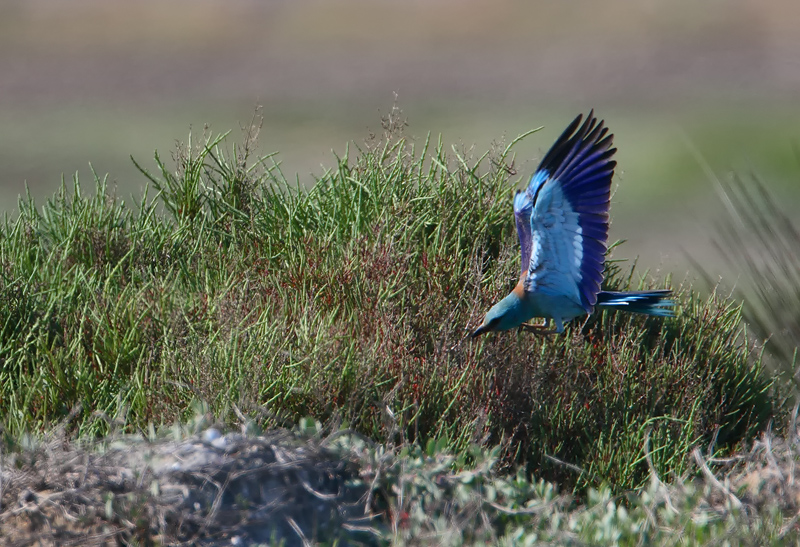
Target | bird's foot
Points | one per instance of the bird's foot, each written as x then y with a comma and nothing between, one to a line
541,330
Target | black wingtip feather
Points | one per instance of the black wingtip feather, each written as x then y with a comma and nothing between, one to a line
560,148
576,141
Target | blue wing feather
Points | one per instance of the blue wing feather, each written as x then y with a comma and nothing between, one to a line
593,232
523,207
578,168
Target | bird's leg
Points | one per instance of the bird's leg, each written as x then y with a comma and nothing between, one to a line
528,326
538,329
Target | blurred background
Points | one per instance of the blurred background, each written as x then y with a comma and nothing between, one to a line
689,88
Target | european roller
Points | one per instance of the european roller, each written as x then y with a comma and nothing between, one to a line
562,223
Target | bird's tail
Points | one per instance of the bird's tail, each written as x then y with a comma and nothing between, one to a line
656,303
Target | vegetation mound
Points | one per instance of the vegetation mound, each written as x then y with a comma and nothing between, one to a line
350,302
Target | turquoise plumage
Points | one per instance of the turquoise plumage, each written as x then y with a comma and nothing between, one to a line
562,223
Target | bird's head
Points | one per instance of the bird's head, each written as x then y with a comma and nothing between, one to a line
503,316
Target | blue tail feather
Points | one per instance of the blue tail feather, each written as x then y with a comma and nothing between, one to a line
656,303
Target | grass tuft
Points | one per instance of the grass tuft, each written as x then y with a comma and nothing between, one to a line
761,243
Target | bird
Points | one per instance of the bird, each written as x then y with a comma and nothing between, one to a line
562,223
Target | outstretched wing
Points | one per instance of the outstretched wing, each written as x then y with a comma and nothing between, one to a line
569,195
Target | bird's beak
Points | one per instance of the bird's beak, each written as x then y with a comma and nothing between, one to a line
480,330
